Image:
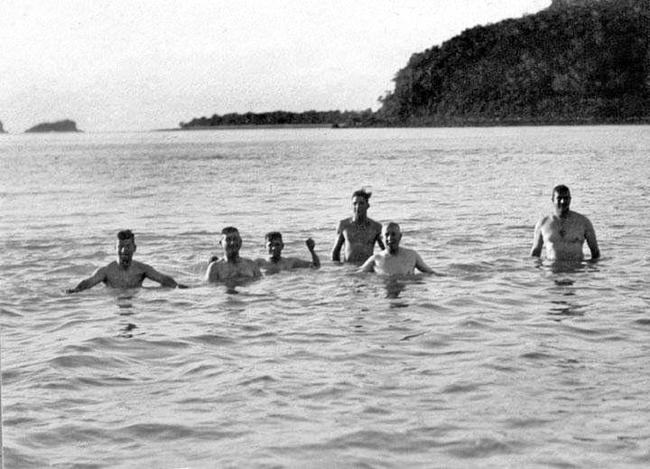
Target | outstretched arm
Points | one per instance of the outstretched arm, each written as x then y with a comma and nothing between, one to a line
164,280
338,244
422,266
590,236
98,276
538,240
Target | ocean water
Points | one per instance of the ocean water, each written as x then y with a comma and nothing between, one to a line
504,361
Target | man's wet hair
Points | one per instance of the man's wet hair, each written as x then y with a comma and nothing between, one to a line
391,224
272,235
125,234
229,229
362,193
560,189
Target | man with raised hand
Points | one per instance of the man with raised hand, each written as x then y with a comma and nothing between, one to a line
564,232
275,263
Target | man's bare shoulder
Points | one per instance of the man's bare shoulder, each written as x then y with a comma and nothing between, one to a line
137,266
111,267
344,223
544,220
406,252
579,217
374,224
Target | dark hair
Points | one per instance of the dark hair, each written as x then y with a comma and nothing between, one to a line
125,234
229,229
362,193
271,235
560,189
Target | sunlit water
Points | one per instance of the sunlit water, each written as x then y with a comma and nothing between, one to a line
503,362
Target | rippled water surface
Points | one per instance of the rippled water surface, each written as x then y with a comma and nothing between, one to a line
502,362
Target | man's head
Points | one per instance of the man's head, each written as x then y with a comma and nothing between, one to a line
392,234
230,241
561,199
125,247
274,244
360,203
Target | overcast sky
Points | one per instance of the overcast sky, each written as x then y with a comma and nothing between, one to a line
138,65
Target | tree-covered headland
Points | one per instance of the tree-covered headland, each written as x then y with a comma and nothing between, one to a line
578,61
575,62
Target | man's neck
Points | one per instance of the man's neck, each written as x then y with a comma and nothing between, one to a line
125,266
360,219
393,252
274,260
232,258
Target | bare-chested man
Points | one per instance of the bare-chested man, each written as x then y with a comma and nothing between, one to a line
564,232
125,272
357,234
276,263
395,260
231,267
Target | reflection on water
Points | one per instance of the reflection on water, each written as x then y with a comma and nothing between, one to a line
566,308
394,287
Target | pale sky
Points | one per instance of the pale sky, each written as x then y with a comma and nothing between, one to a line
139,65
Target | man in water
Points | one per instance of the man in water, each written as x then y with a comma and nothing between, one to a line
564,232
125,272
357,234
276,263
395,260
231,266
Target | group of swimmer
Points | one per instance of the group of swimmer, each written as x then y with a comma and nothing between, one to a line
562,234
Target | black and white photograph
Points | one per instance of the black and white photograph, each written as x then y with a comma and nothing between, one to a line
325,234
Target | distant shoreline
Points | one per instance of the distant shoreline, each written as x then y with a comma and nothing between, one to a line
478,124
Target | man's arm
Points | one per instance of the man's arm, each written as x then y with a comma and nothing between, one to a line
315,261
98,276
164,280
538,240
590,236
378,238
369,265
422,266
256,270
338,244
212,273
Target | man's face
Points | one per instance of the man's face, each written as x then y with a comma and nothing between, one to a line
561,201
392,237
274,247
231,243
360,206
125,250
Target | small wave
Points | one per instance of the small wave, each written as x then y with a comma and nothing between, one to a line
461,388
211,339
9,314
480,448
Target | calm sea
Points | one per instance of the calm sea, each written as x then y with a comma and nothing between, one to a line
503,362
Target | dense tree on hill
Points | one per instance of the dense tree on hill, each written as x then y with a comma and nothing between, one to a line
578,61
345,118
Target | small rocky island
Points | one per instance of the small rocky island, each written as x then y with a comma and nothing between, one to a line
58,126
2,130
